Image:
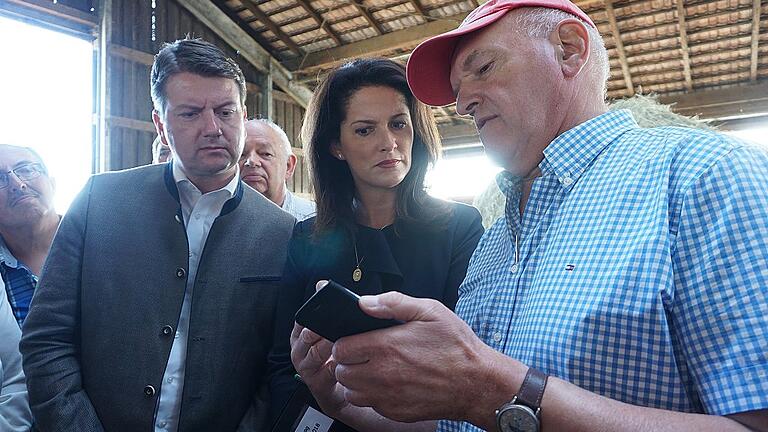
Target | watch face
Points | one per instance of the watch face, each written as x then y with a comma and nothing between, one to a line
518,418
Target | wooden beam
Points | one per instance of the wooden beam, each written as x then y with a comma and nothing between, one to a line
419,10
619,46
721,104
56,10
274,28
210,15
454,130
374,46
131,54
320,21
368,16
102,160
755,39
267,103
129,123
684,44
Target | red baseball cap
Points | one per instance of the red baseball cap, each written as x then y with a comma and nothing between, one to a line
429,67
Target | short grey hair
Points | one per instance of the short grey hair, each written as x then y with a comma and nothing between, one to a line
29,150
539,22
286,144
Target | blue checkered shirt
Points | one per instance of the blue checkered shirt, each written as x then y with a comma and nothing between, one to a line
642,272
20,283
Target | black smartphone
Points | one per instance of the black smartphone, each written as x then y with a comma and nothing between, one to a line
334,312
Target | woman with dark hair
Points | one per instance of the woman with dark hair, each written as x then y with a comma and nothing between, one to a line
370,144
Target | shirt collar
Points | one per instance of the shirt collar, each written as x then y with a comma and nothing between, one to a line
288,201
188,189
6,256
571,153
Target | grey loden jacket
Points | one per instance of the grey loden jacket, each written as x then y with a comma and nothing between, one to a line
100,329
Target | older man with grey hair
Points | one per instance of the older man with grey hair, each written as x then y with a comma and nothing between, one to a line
268,162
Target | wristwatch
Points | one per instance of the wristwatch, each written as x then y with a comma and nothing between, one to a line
522,413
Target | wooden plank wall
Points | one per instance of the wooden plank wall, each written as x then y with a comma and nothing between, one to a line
131,50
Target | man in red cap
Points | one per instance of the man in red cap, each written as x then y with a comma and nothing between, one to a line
624,290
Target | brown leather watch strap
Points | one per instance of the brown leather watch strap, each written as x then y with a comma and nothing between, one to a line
532,390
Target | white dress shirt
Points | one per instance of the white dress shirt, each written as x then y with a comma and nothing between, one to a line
199,211
297,206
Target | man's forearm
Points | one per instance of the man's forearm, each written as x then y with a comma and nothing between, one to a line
568,408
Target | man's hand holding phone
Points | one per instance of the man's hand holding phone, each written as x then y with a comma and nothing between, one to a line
331,313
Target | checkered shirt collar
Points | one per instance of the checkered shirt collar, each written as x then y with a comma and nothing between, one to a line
571,153
6,256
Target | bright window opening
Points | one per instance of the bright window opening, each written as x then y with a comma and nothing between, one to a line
462,176
757,135
46,83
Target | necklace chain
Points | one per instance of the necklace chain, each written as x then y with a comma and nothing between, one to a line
357,274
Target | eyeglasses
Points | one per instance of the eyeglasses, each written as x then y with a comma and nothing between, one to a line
24,173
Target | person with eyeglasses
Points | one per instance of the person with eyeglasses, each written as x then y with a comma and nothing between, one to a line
28,222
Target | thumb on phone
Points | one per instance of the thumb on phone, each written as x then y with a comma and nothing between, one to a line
398,306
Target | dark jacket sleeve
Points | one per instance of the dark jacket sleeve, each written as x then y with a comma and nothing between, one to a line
469,229
52,330
280,369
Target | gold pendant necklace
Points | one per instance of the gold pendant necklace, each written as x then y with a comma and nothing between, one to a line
357,274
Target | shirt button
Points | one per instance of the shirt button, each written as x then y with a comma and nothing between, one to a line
567,181
169,380
149,391
497,337
180,272
513,269
167,330
161,424
197,217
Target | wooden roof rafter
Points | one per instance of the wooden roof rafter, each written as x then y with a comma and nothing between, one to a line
419,9
274,28
619,46
756,9
213,16
684,44
321,22
377,45
363,10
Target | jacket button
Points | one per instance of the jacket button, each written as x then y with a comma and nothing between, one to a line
178,219
180,272
149,391
167,330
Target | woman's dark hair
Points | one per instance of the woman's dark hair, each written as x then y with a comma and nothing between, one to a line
332,180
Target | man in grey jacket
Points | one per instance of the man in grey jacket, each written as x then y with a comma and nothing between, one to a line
155,307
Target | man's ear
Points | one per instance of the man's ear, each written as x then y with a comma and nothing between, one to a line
571,40
159,127
291,166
